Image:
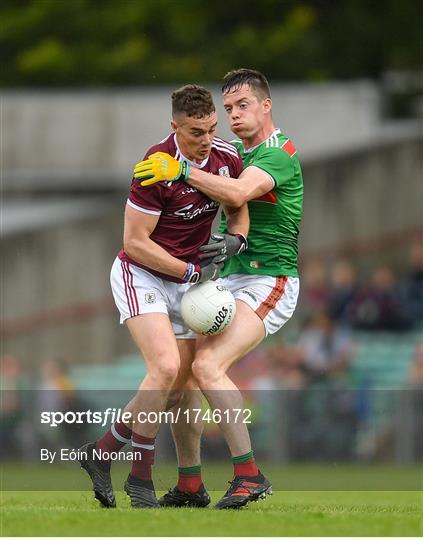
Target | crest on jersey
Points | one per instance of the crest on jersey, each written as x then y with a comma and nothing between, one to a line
150,298
224,171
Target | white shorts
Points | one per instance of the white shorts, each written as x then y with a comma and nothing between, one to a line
272,298
136,292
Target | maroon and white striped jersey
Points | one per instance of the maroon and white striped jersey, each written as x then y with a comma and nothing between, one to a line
186,215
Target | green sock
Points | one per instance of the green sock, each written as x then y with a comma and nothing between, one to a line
190,471
245,458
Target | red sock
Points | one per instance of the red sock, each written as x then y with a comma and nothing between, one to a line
246,469
143,450
189,479
116,438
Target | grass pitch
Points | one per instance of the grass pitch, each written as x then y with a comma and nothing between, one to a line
286,513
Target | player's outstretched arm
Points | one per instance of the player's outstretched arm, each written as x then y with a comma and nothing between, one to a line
235,192
252,183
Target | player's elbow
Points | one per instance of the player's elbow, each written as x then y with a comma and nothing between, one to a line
128,248
132,247
236,199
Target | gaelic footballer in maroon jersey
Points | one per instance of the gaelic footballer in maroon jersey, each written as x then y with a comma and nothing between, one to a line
186,215
165,225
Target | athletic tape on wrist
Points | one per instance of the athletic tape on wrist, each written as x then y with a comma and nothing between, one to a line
244,242
192,274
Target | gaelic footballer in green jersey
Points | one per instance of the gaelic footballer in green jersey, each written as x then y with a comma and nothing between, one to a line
264,278
275,216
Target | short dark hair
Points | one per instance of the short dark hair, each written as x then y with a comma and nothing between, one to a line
192,100
254,79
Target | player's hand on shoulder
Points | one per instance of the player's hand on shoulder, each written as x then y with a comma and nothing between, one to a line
222,246
159,167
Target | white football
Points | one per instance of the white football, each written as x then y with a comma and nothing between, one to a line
208,308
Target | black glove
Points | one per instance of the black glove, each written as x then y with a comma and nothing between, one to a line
205,271
223,246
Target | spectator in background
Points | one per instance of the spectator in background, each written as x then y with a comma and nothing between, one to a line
414,282
343,289
286,367
56,393
52,389
252,368
273,368
326,413
315,290
326,347
12,407
416,371
53,377
415,393
379,305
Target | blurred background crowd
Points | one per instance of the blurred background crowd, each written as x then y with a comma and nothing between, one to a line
85,89
338,385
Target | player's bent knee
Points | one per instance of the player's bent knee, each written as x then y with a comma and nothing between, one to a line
205,371
165,371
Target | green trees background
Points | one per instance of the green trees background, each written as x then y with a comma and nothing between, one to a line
54,43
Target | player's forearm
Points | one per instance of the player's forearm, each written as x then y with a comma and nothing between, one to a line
150,254
237,220
222,189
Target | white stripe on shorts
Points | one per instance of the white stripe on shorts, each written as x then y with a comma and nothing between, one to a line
131,294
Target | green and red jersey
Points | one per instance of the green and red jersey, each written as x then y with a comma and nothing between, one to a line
274,217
